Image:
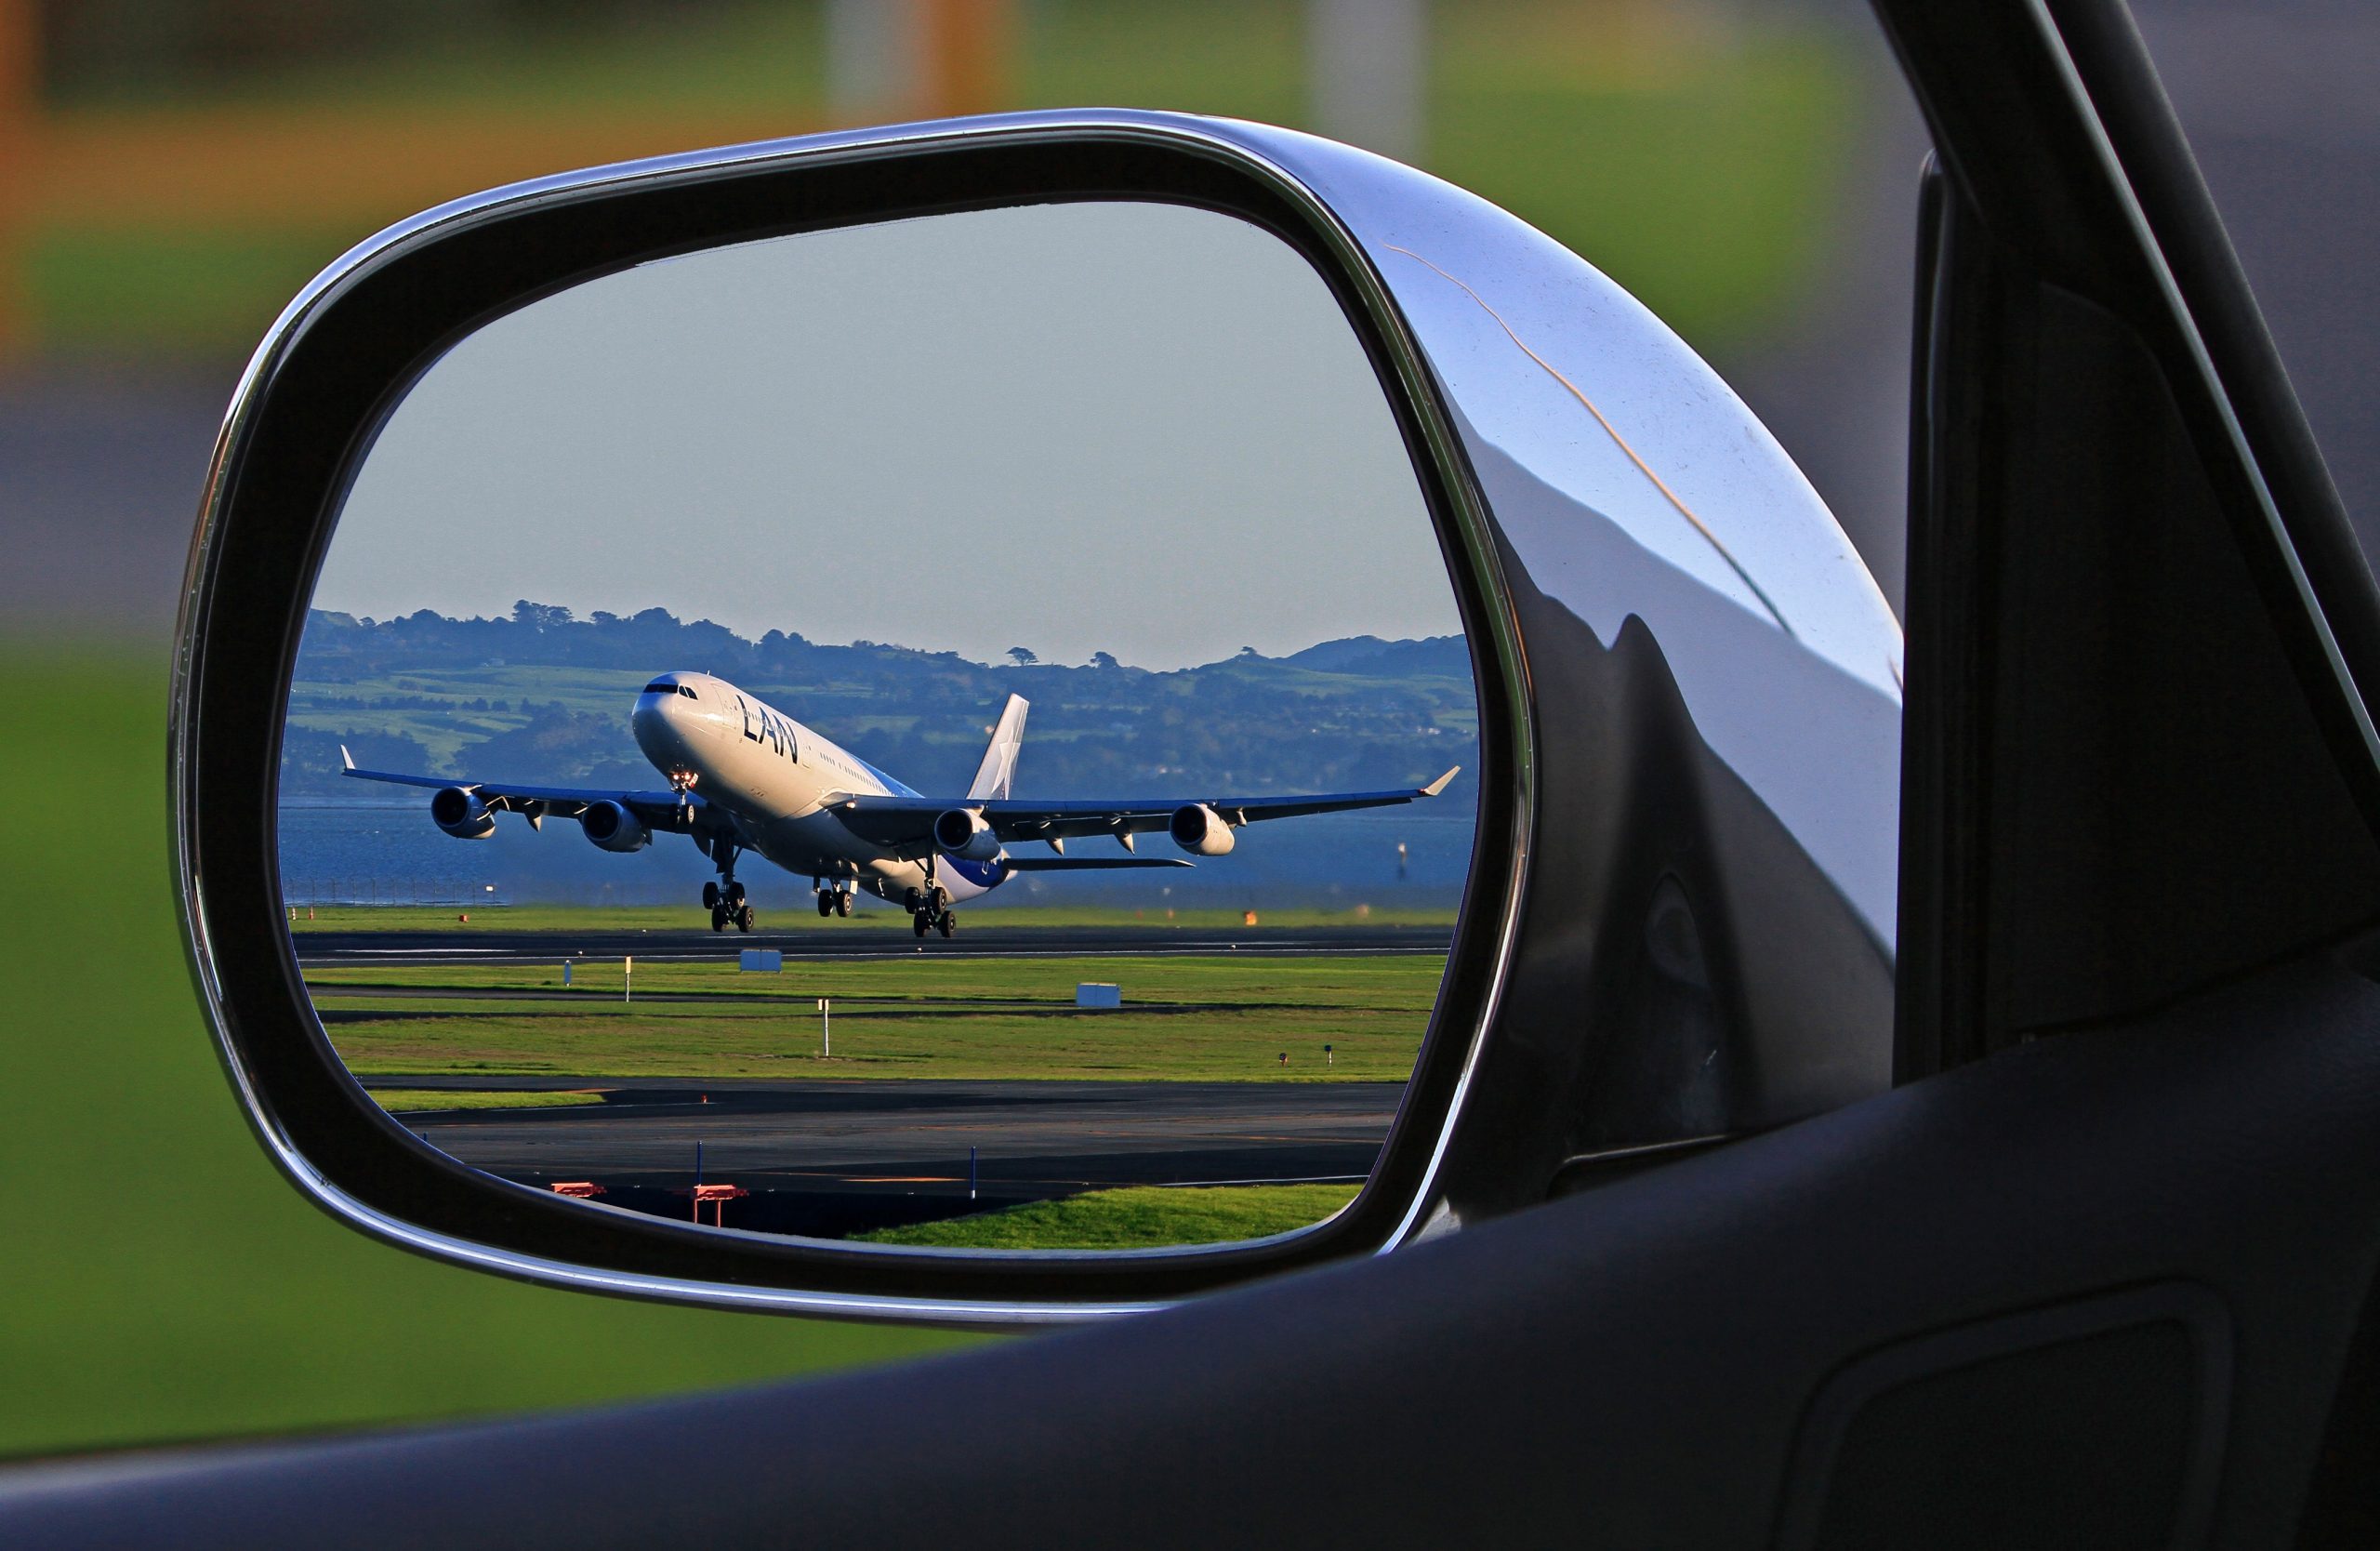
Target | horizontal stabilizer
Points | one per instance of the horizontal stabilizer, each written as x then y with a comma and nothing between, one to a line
1085,863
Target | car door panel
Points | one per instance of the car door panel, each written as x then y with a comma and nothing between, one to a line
1642,1365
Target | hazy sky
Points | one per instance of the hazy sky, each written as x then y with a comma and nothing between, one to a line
1134,428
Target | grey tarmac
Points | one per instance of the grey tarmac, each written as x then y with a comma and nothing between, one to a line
909,1137
863,939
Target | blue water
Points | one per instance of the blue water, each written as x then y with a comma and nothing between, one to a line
382,855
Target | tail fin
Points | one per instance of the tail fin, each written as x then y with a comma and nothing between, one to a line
999,769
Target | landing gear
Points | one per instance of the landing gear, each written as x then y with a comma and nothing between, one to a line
833,899
728,906
930,910
826,898
724,899
843,902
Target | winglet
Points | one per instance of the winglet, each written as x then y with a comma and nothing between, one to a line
1440,783
345,758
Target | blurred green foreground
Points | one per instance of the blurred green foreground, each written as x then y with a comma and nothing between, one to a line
161,1280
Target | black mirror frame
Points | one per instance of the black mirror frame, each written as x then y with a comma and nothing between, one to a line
318,389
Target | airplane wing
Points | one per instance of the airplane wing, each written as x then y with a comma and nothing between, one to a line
660,810
904,826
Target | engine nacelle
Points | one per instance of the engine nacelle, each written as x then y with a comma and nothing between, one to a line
614,827
1200,830
961,832
461,814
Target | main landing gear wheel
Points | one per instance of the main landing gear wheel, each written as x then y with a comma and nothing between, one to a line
744,916
919,924
735,891
947,924
710,896
718,917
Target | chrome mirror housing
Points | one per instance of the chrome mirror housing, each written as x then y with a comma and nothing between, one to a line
1678,925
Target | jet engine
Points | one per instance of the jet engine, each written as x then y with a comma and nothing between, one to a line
963,832
461,815
1200,830
614,827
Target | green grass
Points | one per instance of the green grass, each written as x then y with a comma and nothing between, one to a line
1694,164
163,1281
1141,1217
687,921
401,1101
1186,1019
762,54
178,290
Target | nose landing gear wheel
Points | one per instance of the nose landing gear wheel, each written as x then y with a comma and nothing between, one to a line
826,903
842,902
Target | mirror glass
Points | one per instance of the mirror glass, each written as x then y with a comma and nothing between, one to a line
953,732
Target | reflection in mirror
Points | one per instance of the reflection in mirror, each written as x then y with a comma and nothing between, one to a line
952,732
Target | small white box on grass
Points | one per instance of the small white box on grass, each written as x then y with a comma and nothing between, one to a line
768,961
1092,994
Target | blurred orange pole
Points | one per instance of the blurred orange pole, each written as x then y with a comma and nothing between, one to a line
967,46
20,130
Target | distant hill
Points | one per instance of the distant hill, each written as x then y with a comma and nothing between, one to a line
544,697
1442,655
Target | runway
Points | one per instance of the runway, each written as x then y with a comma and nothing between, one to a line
828,1157
857,939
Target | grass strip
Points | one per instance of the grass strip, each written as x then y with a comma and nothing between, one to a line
1138,1217
1333,1019
410,1100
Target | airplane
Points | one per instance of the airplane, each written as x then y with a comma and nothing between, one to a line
744,776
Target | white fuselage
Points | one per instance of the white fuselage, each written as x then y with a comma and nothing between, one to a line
773,776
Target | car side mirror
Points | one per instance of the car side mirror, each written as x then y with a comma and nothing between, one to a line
1666,906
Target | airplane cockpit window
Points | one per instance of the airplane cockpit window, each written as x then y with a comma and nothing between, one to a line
1107,900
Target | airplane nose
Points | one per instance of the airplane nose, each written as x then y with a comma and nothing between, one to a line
654,723
669,727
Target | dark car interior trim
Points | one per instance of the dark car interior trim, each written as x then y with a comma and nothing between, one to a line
2130,767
